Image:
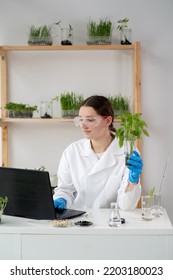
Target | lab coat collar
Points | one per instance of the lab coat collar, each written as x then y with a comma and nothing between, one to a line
110,157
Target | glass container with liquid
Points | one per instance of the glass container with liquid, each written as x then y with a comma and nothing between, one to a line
114,218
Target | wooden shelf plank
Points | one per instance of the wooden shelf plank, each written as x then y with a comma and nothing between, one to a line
67,48
38,120
34,120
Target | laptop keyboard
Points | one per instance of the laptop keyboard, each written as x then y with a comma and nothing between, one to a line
68,213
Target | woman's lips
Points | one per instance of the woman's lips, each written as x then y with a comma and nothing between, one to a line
86,131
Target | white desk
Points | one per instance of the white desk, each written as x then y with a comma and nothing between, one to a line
136,239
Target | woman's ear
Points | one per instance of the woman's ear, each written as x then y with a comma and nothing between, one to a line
108,120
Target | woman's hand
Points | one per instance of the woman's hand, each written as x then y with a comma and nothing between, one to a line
60,203
135,166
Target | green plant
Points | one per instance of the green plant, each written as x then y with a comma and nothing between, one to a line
70,100
70,31
119,103
3,203
70,103
132,127
40,35
123,24
41,168
151,193
20,109
125,32
103,28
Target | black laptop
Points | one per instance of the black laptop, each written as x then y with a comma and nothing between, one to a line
29,195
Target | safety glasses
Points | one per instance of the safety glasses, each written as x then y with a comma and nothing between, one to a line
88,121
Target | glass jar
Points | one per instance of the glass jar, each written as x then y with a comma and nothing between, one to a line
125,36
147,207
67,36
114,218
158,209
46,109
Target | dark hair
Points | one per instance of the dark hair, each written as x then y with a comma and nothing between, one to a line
102,106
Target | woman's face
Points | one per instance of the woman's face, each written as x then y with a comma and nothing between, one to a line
92,125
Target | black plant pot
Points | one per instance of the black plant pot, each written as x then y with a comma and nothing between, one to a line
66,43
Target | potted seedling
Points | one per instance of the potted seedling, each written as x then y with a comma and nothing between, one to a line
132,127
46,109
99,33
20,110
3,203
70,102
67,35
125,32
120,104
41,35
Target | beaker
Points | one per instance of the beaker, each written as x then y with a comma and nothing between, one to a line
114,218
147,207
158,209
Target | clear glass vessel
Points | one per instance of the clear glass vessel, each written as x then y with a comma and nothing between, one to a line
46,110
125,36
147,207
114,218
67,36
158,209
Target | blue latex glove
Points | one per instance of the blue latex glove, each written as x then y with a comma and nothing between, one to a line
135,165
60,203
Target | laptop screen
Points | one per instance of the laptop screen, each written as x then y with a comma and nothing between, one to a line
29,193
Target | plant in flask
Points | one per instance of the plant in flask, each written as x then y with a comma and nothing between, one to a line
147,205
125,32
67,35
132,128
46,110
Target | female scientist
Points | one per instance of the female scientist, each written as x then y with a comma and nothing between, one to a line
92,171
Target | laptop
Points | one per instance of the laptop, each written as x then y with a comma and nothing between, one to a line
30,195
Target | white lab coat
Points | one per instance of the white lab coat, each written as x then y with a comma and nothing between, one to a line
88,182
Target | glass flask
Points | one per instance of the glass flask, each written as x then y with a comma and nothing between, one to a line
114,218
46,110
67,36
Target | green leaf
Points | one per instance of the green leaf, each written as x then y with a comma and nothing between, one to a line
151,193
132,127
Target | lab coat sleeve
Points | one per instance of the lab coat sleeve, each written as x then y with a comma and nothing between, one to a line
65,187
128,200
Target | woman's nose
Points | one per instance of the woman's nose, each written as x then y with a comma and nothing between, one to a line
83,124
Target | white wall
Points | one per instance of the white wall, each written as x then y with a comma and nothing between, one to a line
151,22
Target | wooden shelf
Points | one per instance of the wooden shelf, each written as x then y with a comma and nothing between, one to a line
4,50
38,120
35,120
68,48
